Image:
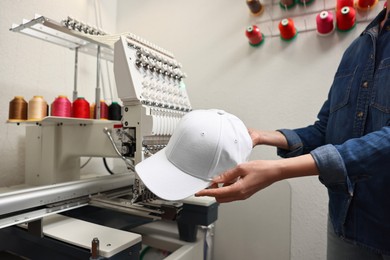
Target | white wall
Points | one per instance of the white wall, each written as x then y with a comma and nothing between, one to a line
273,86
276,85
33,67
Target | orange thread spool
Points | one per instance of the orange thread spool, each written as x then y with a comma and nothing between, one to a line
287,29
17,109
92,111
346,18
80,108
364,5
37,108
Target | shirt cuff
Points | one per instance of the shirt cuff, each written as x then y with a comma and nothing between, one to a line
330,165
294,143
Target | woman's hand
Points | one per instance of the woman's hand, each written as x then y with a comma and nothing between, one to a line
272,138
255,136
248,178
242,181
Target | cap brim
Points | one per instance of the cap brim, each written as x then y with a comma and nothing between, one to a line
165,180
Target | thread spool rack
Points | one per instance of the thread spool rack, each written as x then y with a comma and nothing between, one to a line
304,16
74,35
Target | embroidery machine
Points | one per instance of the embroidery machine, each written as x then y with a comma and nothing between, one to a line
60,214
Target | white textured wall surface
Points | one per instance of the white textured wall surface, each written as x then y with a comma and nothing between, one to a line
273,86
277,85
29,67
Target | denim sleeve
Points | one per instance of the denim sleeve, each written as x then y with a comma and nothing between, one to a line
354,160
328,159
294,143
304,140
330,165
368,154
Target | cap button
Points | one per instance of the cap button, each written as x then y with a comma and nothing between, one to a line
221,112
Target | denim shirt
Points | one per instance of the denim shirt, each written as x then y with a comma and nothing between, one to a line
350,141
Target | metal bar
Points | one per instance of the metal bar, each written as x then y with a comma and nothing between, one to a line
40,196
97,93
76,54
49,38
38,214
137,211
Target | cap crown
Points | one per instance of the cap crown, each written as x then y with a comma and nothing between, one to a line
207,143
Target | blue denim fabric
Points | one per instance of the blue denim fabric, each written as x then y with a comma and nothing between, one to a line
350,141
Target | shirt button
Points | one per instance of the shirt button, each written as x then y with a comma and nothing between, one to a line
365,84
360,114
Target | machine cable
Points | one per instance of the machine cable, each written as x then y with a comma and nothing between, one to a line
129,163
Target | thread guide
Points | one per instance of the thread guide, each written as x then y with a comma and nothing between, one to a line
304,16
48,30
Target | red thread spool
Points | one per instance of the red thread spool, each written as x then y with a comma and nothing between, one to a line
103,110
346,18
61,107
80,108
287,29
254,35
366,4
342,3
325,24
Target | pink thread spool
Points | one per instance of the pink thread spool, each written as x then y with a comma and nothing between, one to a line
61,107
325,23
342,3
254,35
346,18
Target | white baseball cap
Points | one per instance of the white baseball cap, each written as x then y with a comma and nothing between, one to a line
204,144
